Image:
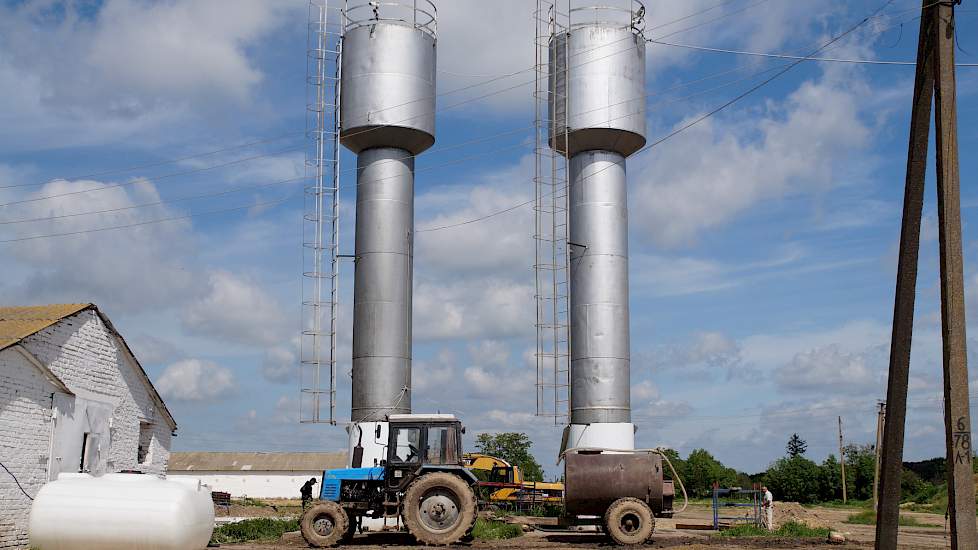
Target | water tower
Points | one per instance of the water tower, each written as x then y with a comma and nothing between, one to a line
595,94
384,112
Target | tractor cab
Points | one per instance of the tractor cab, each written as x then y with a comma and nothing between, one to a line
416,442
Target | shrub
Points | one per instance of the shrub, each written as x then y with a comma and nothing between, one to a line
256,529
487,529
788,530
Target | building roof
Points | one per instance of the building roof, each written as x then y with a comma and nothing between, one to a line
20,322
207,461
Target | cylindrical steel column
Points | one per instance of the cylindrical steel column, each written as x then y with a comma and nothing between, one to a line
387,114
382,284
599,289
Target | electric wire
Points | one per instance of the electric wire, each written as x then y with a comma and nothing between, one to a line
422,230
788,56
149,222
16,481
481,218
457,160
137,180
382,126
156,203
689,125
494,79
427,168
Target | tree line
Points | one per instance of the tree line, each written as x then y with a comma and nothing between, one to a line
793,477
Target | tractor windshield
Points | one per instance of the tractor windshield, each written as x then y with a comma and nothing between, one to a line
441,445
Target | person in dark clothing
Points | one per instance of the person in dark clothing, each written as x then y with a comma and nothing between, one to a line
306,492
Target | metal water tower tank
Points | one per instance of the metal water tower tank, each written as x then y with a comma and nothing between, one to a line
598,77
387,116
389,76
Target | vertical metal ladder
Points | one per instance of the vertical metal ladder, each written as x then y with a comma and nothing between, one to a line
320,219
551,228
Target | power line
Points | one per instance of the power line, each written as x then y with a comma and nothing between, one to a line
147,222
788,56
427,168
19,486
154,164
135,181
493,214
157,203
378,127
689,125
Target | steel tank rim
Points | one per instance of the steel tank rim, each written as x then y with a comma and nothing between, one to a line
393,12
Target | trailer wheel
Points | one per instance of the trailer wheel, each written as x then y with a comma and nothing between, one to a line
324,524
629,521
439,509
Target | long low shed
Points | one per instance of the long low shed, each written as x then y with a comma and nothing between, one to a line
255,475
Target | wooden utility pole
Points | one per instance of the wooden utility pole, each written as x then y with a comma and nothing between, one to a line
935,80
842,462
880,424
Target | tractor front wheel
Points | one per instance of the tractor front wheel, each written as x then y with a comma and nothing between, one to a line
324,524
439,508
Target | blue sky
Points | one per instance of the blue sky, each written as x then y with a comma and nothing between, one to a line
763,240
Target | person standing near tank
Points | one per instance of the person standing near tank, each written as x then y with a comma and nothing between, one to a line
306,491
767,503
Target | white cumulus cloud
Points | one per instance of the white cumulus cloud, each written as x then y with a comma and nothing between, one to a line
196,380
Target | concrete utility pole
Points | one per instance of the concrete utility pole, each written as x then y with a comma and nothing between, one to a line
935,81
880,424
842,462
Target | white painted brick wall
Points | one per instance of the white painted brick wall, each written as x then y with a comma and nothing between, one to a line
25,440
84,354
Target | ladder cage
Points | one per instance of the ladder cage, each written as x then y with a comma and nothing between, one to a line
551,221
320,219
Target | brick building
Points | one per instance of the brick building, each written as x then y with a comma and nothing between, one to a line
73,398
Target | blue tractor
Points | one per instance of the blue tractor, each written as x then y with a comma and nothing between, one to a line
421,484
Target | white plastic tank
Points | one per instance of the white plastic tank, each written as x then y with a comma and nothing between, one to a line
121,511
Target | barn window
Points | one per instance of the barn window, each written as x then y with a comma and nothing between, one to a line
143,455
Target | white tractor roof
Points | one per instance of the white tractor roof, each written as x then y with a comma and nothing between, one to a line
422,418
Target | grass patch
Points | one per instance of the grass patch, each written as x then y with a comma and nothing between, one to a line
257,529
868,517
788,530
487,529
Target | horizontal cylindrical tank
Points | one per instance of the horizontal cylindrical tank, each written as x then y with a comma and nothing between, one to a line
600,355
388,87
592,481
384,247
597,72
121,512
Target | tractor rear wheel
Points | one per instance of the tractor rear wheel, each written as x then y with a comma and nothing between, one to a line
439,508
629,521
324,524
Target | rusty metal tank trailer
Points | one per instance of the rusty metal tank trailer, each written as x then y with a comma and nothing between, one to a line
621,491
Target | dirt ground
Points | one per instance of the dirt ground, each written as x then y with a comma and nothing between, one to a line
667,536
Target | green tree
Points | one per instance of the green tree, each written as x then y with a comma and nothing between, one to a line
796,446
794,479
702,470
860,470
677,462
830,486
513,447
